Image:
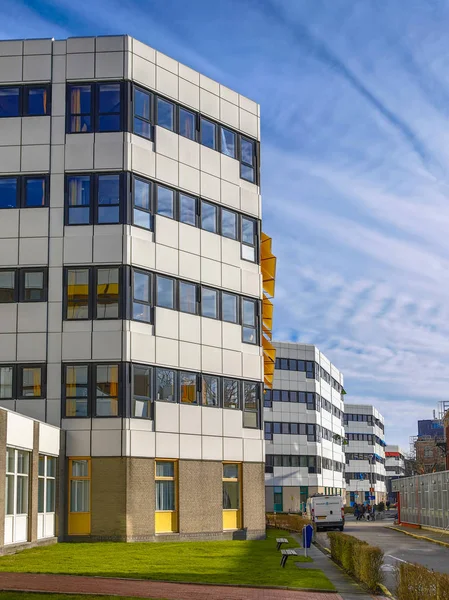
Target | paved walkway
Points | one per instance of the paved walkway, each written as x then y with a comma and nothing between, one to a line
149,589
431,535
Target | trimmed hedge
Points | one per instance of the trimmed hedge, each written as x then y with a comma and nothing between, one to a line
287,521
349,510
358,558
416,582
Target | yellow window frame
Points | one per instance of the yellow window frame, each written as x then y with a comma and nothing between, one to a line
232,518
166,521
79,523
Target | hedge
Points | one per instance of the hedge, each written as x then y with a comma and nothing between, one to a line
287,521
358,558
416,582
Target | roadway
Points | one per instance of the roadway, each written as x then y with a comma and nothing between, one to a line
396,546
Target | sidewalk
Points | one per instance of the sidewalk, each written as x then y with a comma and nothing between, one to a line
345,585
149,589
431,535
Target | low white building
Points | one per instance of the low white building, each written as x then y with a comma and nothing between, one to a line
303,425
394,461
365,454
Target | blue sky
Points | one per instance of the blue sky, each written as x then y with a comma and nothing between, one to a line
355,123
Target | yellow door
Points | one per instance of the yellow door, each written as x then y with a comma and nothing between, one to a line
232,500
166,517
79,496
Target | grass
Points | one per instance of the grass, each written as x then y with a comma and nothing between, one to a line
50,596
233,562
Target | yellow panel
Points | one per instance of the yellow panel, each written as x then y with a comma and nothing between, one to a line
231,519
268,381
267,332
79,524
166,521
265,245
268,348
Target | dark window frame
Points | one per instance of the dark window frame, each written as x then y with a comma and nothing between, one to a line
22,273
94,106
21,181
133,301
19,380
150,398
92,298
93,197
23,98
133,116
120,388
16,294
14,383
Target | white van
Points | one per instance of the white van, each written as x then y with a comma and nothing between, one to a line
327,512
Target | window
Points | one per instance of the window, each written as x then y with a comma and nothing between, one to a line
165,385
187,209
187,123
35,192
8,286
187,297
250,404
17,486
165,292
310,369
108,293
229,307
107,391
249,321
76,382
165,485
108,205
36,101
6,382
247,158
79,496
208,134
268,430
78,200
165,202
228,224
165,114
209,303
228,145
81,108
142,216
141,296
142,113
249,237
31,381
208,217
231,393
209,391
33,285
231,486
77,282
9,192
188,388
46,498
141,401
94,107
9,102
93,198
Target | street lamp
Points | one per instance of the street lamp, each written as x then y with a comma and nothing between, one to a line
371,482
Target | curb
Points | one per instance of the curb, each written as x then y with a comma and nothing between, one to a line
386,591
421,537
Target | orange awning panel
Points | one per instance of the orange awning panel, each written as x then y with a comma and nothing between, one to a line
267,264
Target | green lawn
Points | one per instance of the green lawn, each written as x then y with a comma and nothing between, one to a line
48,596
234,562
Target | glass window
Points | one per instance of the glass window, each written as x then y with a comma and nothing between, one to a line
248,239
76,390
209,303
142,296
78,294
108,293
33,286
165,114
109,107
31,382
209,391
249,331
165,202
35,192
142,113
78,190
36,101
247,160
6,382
187,297
208,134
231,487
228,145
80,486
107,391
165,385
7,286
80,102
231,394
165,486
9,102
8,192
142,203
208,217
187,123
228,224
165,292
141,407
229,307
285,396
187,209
108,199
250,401
188,387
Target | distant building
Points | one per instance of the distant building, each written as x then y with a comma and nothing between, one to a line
395,466
430,427
304,433
430,454
365,454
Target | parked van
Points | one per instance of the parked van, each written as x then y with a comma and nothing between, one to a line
327,512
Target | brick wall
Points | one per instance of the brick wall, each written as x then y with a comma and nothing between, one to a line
140,498
253,496
200,496
109,497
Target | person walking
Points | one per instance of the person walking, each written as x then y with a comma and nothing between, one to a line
356,512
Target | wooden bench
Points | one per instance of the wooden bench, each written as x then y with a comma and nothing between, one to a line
280,541
285,554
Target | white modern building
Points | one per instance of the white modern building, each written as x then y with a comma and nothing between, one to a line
365,454
394,461
132,285
303,424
